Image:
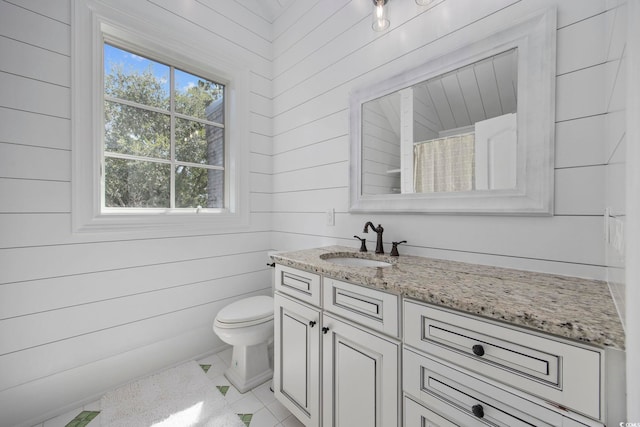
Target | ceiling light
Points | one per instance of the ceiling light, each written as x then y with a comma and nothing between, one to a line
380,15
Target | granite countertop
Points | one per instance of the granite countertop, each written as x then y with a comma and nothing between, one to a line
570,307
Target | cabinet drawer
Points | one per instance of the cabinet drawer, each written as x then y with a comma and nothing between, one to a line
468,400
566,375
369,307
299,284
416,415
527,361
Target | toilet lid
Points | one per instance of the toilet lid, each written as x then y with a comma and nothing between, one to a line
247,310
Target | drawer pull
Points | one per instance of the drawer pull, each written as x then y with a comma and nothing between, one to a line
325,330
312,323
478,411
478,350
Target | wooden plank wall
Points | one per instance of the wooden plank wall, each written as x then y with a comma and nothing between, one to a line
324,51
81,314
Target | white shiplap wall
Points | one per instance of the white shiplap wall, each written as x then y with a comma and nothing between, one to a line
81,314
328,49
616,147
381,152
632,211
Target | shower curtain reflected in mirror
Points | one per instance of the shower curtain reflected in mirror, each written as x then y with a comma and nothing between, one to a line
444,164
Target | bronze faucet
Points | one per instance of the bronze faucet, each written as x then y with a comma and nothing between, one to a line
378,230
363,244
394,248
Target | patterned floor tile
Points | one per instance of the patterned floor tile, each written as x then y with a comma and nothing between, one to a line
223,389
263,418
264,393
249,404
93,406
83,418
63,419
292,421
246,418
279,411
232,395
216,365
256,408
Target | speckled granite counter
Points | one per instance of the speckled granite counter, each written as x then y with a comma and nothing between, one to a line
569,307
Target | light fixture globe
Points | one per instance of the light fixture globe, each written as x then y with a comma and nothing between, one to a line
380,15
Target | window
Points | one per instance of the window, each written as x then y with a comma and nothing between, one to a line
160,126
164,135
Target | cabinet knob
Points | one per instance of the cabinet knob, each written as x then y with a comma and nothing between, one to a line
478,411
312,323
325,330
478,350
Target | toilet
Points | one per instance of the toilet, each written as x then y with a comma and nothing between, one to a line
247,325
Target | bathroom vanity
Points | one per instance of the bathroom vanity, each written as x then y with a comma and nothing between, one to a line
411,341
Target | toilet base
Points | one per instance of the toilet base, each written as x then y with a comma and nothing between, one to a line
249,367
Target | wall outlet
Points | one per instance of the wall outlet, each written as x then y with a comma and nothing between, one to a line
330,217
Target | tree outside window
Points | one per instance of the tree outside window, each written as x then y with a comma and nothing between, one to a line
164,135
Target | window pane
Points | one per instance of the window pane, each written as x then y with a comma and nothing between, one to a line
131,130
136,184
198,97
135,78
199,187
199,143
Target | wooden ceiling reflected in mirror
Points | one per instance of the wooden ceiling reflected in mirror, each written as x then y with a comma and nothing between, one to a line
484,111
442,107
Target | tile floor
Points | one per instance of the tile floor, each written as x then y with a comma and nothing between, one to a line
257,408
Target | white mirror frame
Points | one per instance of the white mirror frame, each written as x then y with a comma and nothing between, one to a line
535,39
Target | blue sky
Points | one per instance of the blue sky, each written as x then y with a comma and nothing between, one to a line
134,63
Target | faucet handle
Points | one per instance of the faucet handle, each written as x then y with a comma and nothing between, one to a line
363,245
394,248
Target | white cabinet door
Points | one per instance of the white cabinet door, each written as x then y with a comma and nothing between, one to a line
296,370
360,377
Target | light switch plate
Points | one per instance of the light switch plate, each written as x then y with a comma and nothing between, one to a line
330,217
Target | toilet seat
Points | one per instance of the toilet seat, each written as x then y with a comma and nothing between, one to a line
246,312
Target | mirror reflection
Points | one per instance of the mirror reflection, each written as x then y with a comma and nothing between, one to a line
454,132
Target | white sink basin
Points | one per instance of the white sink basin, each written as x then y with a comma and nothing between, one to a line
358,262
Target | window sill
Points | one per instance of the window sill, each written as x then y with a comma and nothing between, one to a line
188,220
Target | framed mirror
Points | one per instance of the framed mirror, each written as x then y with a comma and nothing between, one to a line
471,131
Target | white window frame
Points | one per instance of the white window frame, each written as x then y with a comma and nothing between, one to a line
173,115
92,24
